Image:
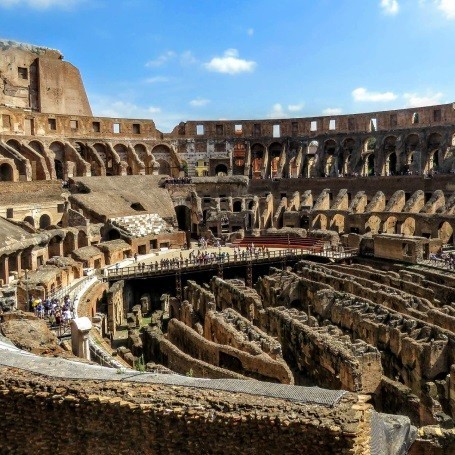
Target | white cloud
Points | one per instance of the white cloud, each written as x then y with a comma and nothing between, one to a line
277,111
447,7
154,110
40,4
156,79
199,102
390,7
295,107
430,99
250,32
162,59
362,94
332,111
230,63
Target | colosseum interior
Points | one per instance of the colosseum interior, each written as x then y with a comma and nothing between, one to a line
315,315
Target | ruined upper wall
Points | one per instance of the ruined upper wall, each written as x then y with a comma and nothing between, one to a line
37,78
438,115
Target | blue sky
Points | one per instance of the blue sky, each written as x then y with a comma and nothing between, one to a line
177,60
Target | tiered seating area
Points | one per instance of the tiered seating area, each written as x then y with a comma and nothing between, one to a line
141,225
279,240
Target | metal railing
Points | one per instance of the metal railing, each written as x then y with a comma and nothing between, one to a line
203,263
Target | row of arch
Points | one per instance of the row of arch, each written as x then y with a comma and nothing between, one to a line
36,161
366,155
388,155
389,225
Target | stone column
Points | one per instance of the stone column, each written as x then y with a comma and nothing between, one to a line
80,330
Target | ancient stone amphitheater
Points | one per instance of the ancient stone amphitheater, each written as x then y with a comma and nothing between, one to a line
321,319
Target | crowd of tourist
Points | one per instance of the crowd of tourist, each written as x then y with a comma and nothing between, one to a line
178,181
54,311
446,259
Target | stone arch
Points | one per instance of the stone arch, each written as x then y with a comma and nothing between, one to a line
390,225
122,151
309,162
239,158
391,159
368,165
30,220
39,148
165,168
344,158
58,149
320,221
82,239
69,243
408,227
413,153
145,156
19,164
257,160
237,206
106,157
434,152
391,164
183,214
54,246
445,232
163,154
373,224
6,172
221,170
274,159
337,223
87,155
44,221
330,149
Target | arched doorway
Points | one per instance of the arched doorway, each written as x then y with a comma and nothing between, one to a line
183,217
221,170
391,164
274,159
59,172
44,221
30,220
165,168
113,234
368,166
6,173
239,158
257,160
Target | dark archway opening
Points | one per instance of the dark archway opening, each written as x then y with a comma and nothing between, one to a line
6,173
59,170
183,217
221,170
44,221
113,234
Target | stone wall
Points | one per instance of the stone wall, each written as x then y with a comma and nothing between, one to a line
102,417
323,353
259,366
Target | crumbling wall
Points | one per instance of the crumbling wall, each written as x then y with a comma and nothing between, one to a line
259,366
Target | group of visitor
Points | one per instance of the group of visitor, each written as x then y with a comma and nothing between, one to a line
178,181
54,311
447,259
